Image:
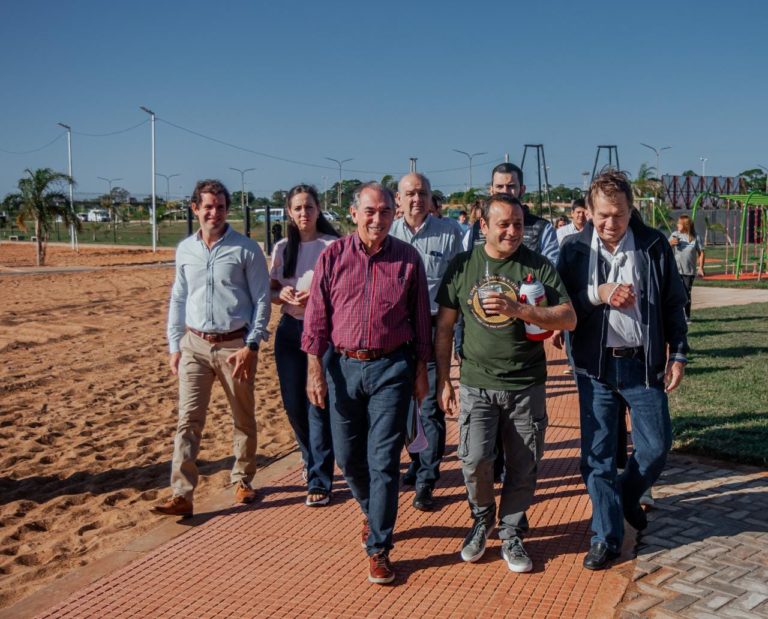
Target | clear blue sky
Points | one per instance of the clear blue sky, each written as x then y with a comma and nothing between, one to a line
378,82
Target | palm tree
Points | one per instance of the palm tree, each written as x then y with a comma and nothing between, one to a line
646,184
389,181
40,199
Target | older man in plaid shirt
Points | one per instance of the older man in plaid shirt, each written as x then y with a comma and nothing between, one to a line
369,301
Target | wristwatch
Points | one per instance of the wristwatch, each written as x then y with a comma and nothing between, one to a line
254,346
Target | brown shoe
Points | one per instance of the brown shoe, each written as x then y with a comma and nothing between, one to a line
175,506
244,493
381,572
364,534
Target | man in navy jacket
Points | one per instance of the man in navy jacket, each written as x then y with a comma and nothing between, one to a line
629,346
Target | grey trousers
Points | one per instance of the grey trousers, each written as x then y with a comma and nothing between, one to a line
521,417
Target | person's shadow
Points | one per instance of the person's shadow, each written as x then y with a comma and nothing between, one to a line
713,508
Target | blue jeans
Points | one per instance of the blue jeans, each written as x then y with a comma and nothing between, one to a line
425,466
311,425
369,403
600,404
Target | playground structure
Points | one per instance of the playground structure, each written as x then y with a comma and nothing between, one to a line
541,167
752,229
741,222
743,230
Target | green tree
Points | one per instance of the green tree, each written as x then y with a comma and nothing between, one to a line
561,193
467,197
278,198
389,181
42,200
236,199
646,184
120,195
689,173
754,179
348,188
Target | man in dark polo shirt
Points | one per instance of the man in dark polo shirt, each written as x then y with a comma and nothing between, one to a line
369,300
502,373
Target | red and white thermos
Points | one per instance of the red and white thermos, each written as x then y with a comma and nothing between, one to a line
532,292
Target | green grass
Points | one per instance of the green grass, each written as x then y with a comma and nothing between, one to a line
721,408
716,258
139,232
732,283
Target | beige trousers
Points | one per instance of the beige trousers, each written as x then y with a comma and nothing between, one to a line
201,363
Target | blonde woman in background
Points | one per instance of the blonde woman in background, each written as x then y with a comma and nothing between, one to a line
689,256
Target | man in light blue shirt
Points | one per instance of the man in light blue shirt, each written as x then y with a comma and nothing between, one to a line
217,318
437,240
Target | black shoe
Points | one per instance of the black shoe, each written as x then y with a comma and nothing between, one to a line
598,556
408,478
423,499
635,516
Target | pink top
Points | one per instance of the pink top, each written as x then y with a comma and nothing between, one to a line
359,301
305,268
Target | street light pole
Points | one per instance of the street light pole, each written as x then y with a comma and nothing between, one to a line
470,157
325,193
111,204
658,156
243,206
339,163
703,166
109,182
167,178
154,174
72,227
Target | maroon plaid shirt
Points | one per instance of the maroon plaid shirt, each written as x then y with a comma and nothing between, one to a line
359,301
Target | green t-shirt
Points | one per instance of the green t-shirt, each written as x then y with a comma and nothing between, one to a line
496,354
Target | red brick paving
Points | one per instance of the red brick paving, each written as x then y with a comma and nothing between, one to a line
282,559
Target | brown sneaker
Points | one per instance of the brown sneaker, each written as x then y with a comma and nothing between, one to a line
364,534
175,506
381,572
244,493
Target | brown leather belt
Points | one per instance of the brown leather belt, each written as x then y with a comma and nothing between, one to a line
215,338
636,351
367,354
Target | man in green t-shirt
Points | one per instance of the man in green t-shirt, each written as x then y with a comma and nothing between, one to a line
502,372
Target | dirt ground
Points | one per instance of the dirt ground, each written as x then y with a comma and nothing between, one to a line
16,255
88,411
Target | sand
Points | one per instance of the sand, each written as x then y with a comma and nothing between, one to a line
88,411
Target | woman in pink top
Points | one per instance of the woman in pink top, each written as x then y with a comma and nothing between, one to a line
293,263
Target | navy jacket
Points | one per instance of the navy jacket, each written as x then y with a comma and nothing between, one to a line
661,296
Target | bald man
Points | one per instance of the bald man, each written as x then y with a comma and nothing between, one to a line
437,241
